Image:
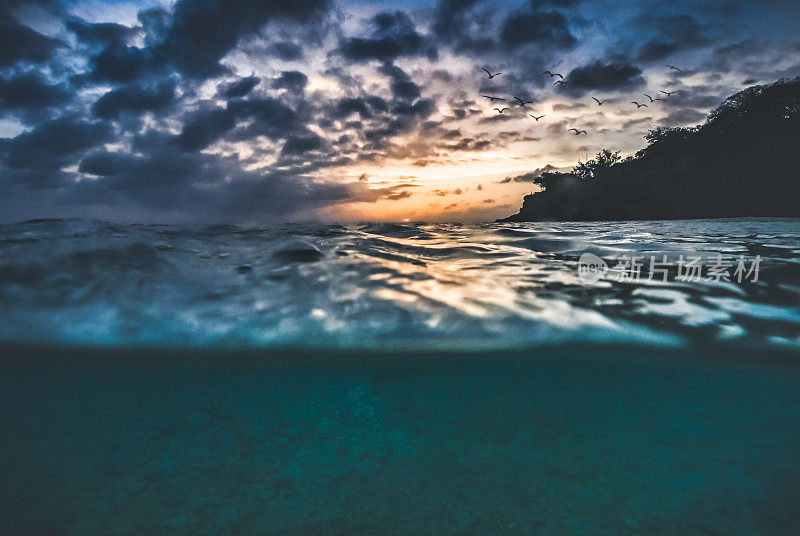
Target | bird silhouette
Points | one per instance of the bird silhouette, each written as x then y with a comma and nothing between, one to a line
638,105
499,110
552,75
561,82
667,93
598,101
652,100
674,68
537,118
578,132
492,99
523,102
489,73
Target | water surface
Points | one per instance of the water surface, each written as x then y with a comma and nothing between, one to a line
457,286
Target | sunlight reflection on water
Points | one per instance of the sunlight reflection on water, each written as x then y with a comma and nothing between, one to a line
369,285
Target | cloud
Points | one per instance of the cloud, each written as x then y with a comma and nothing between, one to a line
100,34
118,62
30,95
135,98
238,88
20,43
265,116
294,81
456,23
670,34
204,127
351,105
401,85
53,143
285,50
604,76
299,144
393,35
172,185
200,34
548,28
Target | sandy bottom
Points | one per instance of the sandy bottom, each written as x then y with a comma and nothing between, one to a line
491,444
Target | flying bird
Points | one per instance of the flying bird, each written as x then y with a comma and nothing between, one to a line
668,93
674,68
523,102
552,75
492,99
499,110
638,105
578,132
537,118
598,101
652,100
489,73
561,82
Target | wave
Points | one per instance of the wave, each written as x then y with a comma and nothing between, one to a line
389,285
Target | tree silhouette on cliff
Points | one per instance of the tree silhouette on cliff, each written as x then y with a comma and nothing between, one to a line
743,161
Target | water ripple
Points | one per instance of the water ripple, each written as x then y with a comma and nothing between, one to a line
458,286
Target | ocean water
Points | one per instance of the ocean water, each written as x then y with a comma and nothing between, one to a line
399,379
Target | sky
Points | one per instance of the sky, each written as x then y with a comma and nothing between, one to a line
320,110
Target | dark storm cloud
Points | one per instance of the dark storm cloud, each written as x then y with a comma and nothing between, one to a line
135,98
164,180
192,39
421,109
669,34
201,33
53,143
100,33
30,95
104,163
401,85
299,144
457,23
121,63
20,43
393,35
604,76
294,81
239,88
265,116
155,23
555,3
537,27
285,50
350,105
204,127
474,26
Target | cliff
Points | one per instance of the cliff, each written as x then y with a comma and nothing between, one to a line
743,161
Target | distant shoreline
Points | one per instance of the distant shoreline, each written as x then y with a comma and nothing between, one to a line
740,163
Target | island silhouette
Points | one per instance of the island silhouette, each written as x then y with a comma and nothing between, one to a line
744,160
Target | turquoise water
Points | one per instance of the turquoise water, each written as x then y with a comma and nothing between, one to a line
579,443
388,379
